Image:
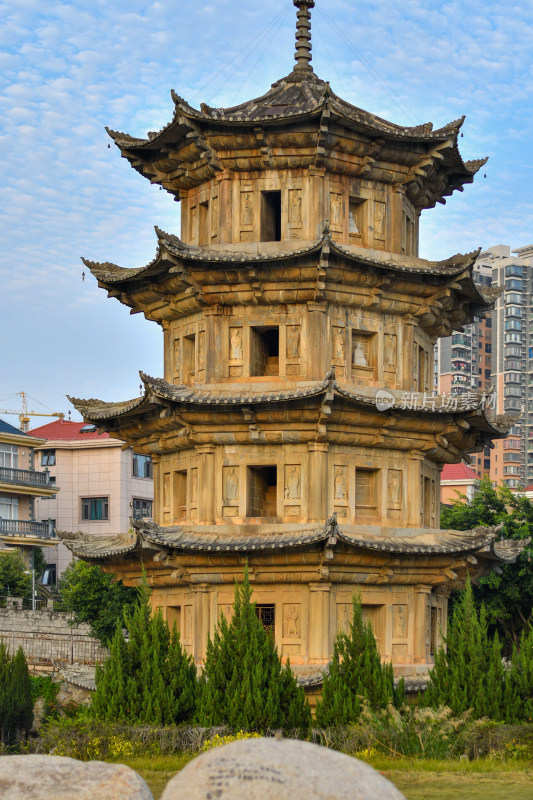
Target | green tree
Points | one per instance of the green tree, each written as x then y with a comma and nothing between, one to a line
16,701
148,678
518,701
508,595
355,675
243,684
468,674
94,597
14,579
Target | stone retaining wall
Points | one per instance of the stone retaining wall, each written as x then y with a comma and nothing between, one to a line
46,637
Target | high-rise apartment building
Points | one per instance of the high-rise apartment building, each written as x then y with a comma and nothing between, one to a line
512,361
498,351
463,362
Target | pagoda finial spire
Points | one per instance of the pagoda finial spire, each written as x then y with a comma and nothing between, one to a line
303,35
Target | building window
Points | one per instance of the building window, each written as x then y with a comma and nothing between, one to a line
142,466
94,508
49,575
262,491
141,508
9,455
264,356
366,488
267,617
48,458
9,507
271,216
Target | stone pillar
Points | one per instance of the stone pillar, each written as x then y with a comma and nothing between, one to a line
201,594
206,484
319,617
421,628
318,481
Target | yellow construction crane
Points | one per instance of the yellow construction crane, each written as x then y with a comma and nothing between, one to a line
24,415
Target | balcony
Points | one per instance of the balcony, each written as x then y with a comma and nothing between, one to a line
27,529
27,481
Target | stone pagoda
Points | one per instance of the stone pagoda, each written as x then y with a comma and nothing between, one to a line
295,428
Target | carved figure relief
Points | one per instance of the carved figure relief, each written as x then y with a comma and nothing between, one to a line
399,620
236,344
336,210
292,482
177,351
391,351
394,488
359,358
341,483
344,617
338,345
247,208
214,216
166,489
295,205
231,484
194,486
192,223
292,625
293,342
187,628
379,217
201,350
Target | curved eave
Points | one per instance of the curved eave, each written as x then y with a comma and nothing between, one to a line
171,251
236,539
159,395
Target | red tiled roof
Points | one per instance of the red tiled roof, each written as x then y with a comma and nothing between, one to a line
458,472
68,431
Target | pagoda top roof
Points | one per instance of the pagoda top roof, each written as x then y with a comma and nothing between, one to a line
290,99
193,146
255,538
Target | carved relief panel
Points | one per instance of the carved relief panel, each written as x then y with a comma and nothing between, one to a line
295,213
339,351
390,355
344,617
337,217
246,215
380,211
340,490
236,352
293,345
176,361
194,493
293,490
399,621
230,491
394,489
292,620
214,219
201,356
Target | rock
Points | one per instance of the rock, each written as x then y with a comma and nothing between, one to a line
44,777
272,769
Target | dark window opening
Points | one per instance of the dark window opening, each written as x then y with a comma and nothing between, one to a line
267,617
141,508
265,351
142,466
49,577
94,508
262,491
48,458
271,216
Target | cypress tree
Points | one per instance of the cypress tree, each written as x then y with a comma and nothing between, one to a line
519,681
468,674
4,692
355,674
21,697
243,684
149,678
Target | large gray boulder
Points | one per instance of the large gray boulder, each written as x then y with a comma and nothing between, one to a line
271,769
46,777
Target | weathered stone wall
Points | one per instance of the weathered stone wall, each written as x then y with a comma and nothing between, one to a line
46,637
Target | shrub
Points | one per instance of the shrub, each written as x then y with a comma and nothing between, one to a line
16,702
355,675
149,678
243,684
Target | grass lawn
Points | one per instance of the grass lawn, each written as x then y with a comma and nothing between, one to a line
418,780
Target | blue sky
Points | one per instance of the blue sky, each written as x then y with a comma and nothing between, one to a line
67,69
